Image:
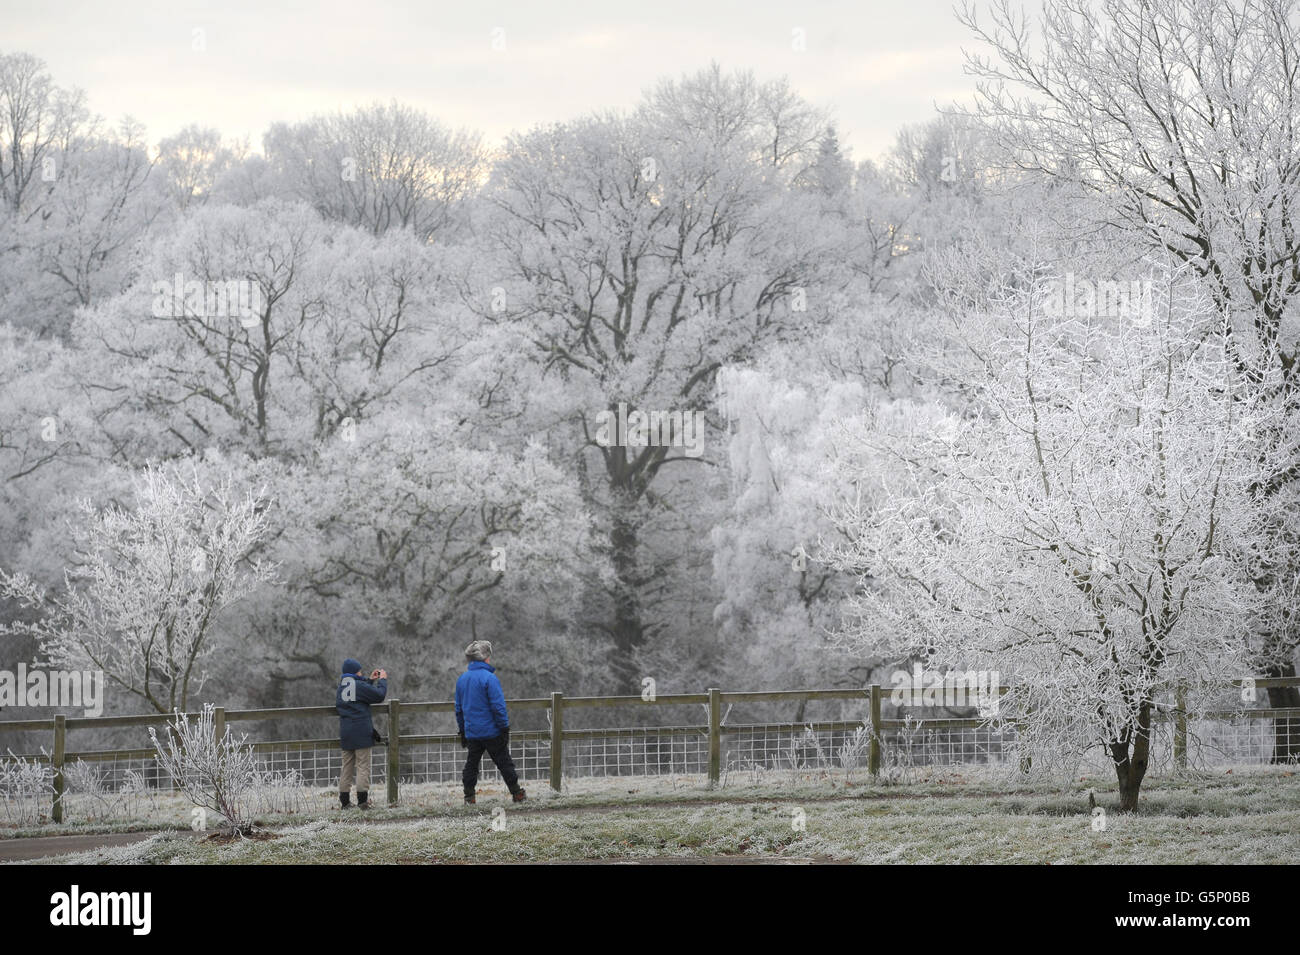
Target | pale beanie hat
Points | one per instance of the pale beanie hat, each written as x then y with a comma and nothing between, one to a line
478,650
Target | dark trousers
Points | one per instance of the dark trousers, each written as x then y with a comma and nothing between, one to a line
499,750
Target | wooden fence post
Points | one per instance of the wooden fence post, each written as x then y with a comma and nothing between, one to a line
715,735
394,747
557,740
60,742
1180,727
873,752
219,723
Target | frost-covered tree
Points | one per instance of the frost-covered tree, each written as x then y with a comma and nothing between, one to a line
778,600
31,434
378,168
413,525
1178,121
947,169
144,601
341,377
193,161
1088,525
104,201
38,122
265,328
1178,117
634,255
46,448
73,199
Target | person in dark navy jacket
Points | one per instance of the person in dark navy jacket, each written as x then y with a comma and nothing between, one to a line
482,721
353,699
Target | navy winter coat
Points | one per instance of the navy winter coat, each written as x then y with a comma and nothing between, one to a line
355,727
480,704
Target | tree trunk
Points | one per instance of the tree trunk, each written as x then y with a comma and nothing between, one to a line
628,630
1286,729
1131,767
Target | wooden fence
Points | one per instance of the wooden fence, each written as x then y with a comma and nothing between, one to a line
556,705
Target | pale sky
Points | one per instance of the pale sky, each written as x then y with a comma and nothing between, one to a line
876,64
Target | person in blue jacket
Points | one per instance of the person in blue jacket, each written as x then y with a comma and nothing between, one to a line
482,722
353,699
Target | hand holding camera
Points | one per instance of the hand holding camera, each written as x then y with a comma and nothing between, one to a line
379,675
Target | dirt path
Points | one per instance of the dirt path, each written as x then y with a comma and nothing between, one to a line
38,847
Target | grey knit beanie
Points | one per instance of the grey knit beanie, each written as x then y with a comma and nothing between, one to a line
478,650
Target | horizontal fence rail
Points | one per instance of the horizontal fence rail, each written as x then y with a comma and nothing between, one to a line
694,749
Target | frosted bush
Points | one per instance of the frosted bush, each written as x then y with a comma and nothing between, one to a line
854,752
25,787
282,792
91,781
83,779
216,774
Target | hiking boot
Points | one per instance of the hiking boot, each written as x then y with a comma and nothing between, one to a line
518,795
345,800
469,800
363,800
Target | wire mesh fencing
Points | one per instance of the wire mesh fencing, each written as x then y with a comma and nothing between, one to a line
921,744
440,759
1241,740
683,750
638,751
292,774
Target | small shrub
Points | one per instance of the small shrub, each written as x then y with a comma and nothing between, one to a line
216,774
26,787
91,781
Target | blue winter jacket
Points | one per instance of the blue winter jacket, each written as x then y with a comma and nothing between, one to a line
480,704
355,727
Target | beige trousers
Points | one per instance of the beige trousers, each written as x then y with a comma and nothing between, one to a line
356,762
